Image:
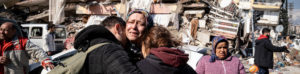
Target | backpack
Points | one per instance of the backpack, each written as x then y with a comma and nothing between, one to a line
73,64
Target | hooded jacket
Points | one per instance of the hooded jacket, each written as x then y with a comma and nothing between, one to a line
264,49
107,59
211,64
165,60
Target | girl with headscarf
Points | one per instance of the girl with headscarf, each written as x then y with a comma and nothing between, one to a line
220,61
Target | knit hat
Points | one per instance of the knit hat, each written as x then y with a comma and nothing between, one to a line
149,21
215,41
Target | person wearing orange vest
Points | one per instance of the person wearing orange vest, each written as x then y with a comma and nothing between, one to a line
16,50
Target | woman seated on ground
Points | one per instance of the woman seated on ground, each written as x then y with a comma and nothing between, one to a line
160,55
220,62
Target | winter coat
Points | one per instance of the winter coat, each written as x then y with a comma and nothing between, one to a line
165,60
211,64
107,59
264,49
49,43
19,51
134,52
231,65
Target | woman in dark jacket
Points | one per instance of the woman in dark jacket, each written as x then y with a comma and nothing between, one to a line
160,57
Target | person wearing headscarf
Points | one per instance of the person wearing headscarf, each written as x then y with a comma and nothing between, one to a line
220,61
138,22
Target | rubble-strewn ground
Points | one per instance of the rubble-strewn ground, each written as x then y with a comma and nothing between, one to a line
293,69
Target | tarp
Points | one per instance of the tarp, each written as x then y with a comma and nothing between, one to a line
95,19
161,19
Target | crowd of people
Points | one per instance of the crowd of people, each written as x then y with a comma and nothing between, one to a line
134,46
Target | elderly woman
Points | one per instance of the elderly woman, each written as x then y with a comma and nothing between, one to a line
160,55
220,62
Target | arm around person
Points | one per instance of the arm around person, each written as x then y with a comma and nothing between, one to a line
114,60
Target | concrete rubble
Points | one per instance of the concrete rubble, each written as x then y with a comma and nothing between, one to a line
194,22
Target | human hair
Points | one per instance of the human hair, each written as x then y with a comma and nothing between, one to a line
266,30
157,36
50,26
15,25
112,21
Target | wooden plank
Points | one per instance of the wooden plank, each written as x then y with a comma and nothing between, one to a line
38,16
33,3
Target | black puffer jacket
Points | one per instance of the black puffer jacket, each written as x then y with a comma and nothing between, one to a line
107,59
264,49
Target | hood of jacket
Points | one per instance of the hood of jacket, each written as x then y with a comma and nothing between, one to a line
261,39
172,57
91,35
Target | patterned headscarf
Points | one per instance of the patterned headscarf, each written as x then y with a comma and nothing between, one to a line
149,21
215,41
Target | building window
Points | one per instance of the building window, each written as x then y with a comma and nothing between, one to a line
25,31
60,33
36,32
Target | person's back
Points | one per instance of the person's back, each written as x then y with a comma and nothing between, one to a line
160,55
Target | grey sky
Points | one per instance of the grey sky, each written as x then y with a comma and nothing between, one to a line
296,3
296,12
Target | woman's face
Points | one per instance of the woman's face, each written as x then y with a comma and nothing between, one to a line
221,50
135,26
